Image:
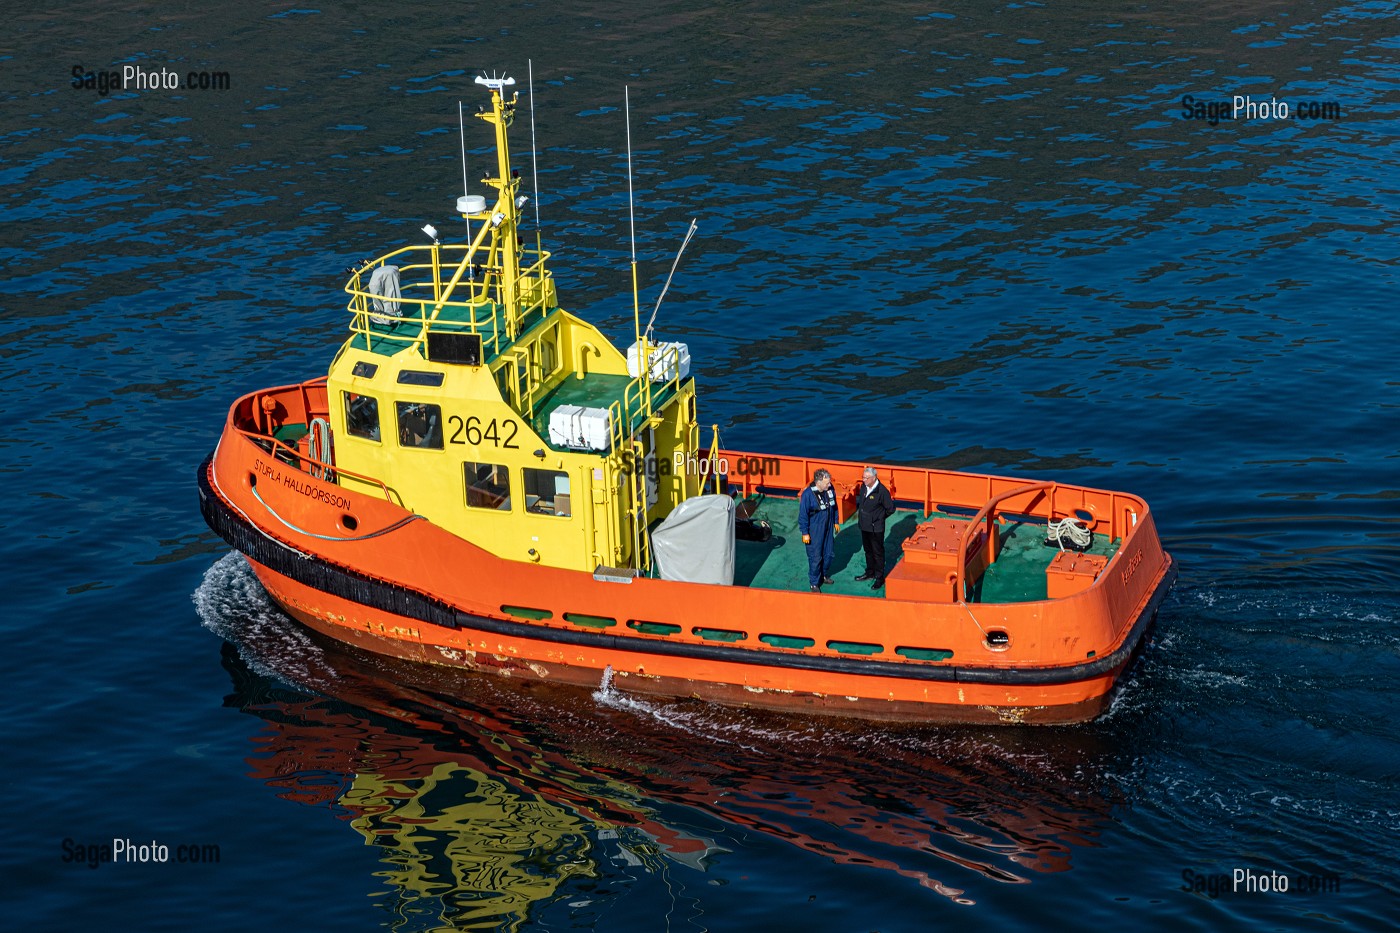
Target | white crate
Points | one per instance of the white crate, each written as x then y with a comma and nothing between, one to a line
580,428
666,358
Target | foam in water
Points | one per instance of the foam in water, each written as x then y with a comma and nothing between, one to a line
717,723
233,605
609,696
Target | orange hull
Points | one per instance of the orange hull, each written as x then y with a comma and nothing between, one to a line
415,591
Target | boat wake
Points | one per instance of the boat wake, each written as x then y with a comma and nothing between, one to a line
764,732
715,723
233,605
610,697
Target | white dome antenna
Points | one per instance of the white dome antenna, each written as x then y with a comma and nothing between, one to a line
495,83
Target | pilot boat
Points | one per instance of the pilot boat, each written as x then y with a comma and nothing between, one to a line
484,481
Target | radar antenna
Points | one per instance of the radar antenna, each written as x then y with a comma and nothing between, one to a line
495,82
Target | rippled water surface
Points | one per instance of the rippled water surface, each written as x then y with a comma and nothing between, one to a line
969,235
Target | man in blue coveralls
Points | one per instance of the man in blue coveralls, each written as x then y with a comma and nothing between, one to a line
816,519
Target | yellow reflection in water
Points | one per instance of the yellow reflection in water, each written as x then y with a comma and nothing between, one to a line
467,845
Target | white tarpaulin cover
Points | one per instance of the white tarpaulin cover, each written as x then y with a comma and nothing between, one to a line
384,283
695,544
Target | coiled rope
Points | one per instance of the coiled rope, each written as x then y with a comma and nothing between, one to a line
1079,536
320,447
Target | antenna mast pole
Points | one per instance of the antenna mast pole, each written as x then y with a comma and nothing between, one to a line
639,486
534,152
462,134
535,175
632,223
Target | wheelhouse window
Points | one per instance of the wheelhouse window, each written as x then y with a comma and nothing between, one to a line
420,425
362,416
488,486
547,492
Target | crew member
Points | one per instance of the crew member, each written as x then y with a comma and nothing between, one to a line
816,519
873,506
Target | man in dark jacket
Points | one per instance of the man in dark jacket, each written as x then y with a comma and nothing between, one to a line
873,505
816,520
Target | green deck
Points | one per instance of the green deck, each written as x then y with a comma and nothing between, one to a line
781,563
596,390
391,335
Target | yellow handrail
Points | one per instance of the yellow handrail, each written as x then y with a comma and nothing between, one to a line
714,459
477,298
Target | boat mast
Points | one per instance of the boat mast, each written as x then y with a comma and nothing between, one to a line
505,218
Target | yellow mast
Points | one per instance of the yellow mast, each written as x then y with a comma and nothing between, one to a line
504,221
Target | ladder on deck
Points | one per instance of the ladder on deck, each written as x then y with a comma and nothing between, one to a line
637,507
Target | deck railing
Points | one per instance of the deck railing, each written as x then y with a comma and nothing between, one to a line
305,462
475,296
635,398
980,496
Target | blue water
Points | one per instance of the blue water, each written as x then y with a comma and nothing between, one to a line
967,235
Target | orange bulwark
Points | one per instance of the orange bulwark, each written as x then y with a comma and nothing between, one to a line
362,568
478,480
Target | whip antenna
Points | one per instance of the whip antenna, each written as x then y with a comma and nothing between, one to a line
462,135
534,152
684,243
631,212
632,218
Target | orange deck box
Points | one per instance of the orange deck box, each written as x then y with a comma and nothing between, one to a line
1071,572
930,562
